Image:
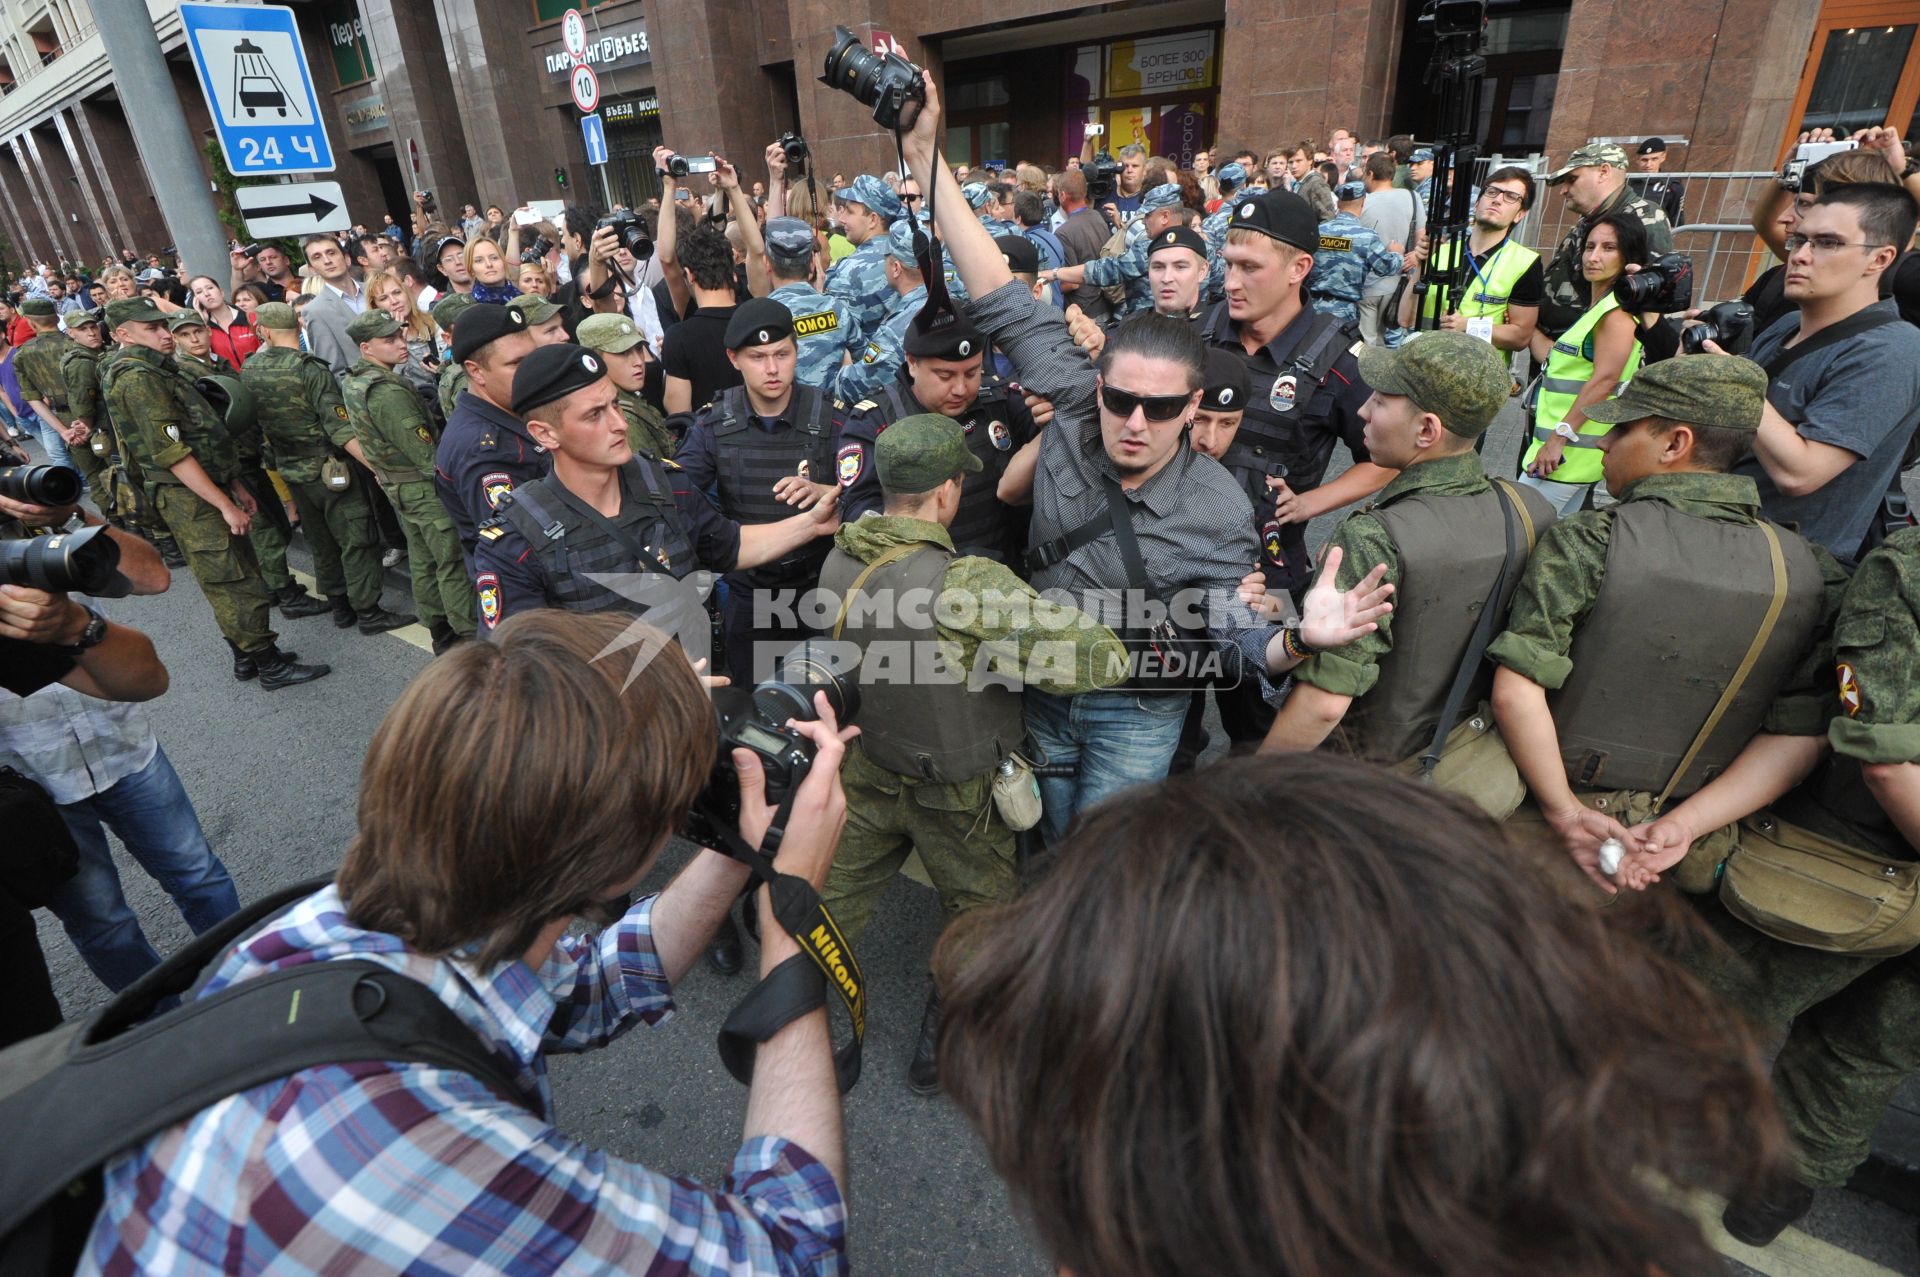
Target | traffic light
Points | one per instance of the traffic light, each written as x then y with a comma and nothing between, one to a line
560,178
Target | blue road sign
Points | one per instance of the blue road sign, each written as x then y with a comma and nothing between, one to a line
595,134
252,69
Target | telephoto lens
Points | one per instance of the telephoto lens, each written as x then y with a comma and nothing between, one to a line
889,84
42,485
83,562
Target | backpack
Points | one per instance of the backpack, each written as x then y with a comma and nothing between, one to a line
84,1092
1116,246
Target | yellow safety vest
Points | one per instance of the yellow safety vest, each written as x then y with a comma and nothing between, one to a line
1489,286
1569,368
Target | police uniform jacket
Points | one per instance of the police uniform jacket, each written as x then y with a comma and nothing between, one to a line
483,455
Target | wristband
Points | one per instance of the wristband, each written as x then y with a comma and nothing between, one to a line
1293,645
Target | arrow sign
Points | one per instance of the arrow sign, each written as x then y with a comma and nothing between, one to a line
296,208
594,133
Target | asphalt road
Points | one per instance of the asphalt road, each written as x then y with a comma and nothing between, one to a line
274,777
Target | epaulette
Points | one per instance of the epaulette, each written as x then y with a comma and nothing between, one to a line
492,530
866,405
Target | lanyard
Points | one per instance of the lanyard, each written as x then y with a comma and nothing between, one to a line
1479,275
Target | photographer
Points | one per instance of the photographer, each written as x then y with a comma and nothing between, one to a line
473,892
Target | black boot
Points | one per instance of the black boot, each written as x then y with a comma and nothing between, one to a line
377,620
923,1074
243,666
295,602
277,670
723,951
343,613
1758,1217
170,552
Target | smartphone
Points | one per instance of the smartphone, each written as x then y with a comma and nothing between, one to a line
681,193
1096,130
700,164
526,217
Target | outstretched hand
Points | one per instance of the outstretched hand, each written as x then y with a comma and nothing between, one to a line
1331,617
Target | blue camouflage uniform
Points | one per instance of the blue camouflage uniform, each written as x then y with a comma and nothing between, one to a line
1130,267
1215,231
823,329
1350,255
860,278
885,352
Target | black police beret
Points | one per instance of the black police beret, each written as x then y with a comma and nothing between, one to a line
1022,257
1179,237
759,322
482,324
1280,215
1228,381
553,372
950,335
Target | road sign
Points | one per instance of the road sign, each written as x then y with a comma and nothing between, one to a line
573,30
883,43
586,87
595,134
294,209
252,68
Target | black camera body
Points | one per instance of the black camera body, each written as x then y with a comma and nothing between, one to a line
630,230
1664,285
1103,176
795,148
536,251
680,166
892,86
1728,326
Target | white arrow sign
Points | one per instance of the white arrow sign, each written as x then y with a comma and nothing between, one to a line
293,209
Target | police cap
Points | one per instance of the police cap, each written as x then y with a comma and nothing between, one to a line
1179,237
949,334
480,325
871,193
789,236
1728,391
1459,379
1165,195
919,453
760,322
1653,146
1229,384
372,323
975,194
1023,258
553,372
1280,215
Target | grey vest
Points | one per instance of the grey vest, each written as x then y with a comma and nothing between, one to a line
1451,548
570,546
984,524
940,729
749,461
1835,801
1682,601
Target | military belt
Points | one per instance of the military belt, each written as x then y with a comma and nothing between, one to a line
389,478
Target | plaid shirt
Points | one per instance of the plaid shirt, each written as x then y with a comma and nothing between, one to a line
380,1168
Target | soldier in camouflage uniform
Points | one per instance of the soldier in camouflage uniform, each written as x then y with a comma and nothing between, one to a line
545,320
79,374
623,347
1596,184
1159,210
866,209
306,427
1351,256
1231,179
189,465
397,440
36,363
823,325
983,199
453,373
879,362
219,381
921,776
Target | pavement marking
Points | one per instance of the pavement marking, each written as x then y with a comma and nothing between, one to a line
415,634
1793,1253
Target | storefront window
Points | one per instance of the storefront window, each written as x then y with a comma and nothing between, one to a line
554,10
633,130
1858,71
347,41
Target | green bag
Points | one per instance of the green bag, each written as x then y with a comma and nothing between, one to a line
1474,764
1786,881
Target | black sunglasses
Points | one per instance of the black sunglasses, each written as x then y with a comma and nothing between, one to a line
1121,403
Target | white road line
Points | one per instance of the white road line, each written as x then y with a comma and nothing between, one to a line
415,634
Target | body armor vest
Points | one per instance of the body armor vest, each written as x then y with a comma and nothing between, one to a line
1270,429
570,546
1835,801
935,729
1682,601
748,461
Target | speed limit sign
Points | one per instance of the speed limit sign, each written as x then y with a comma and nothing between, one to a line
586,87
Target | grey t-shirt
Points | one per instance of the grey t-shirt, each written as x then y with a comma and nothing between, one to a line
1392,215
1861,394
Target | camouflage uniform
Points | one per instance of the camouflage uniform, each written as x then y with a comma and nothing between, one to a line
1129,269
647,431
885,353
163,421
391,424
860,280
453,383
823,328
1215,230
1567,294
269,529
119,491
305,422
1351,256
37,366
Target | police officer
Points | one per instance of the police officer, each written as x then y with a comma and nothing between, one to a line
306,428
1669,193
822,325
189,467
1230,178
1595,178
622,348
1349,258
1160,209
1634,624
993,203
880,359
764,448
452,378
864,209
944,375
920,777
1441,527
396,438
485,450
1307,389
1177,272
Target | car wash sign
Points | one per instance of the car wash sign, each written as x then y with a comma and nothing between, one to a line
253,70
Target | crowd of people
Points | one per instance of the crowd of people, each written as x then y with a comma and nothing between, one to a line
1027,456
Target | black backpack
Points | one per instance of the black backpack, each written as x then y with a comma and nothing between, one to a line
90,1089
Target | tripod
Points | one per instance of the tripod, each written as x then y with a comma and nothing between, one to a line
1453,77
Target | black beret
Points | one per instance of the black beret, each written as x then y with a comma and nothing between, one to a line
1179,237
1022,257
1228,381
553,372
759,322
482,324
1280,215
949,334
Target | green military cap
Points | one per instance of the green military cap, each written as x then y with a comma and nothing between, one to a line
185,319
613,334
371,323
37,306
1459,379
1593,155
81,318
1727,391
133,310
919,453
277,315
448,309
536,308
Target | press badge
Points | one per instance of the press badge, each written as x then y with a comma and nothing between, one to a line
1481,326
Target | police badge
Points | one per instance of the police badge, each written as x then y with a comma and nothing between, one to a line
498,486
1285,389
999,436
847,463
1270,542
488,587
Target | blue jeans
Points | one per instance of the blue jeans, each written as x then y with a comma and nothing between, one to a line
151,813
1118,740
49,439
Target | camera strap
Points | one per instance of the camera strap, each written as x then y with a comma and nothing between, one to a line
796,986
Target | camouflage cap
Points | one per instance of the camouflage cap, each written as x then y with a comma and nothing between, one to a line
277,315
612,334
789,236
1232,175
536,308
1421,155
1348,192
41,306
919,453
448,309
133,310
371,323
1727,391
185,319
975,193
1459,379
900,243
1165,195
81,318
1593,155
872,193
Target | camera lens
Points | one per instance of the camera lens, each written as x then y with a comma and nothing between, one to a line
42,485
83,562
844,62
807,669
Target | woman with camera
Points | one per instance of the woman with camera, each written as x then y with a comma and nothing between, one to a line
1592,361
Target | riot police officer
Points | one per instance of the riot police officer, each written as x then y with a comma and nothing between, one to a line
864,210
822,325
485,451
1350,257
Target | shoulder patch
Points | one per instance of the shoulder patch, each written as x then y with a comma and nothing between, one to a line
497,487
848,463
813,325
487,586
872,352
1336,243
340,411
491,531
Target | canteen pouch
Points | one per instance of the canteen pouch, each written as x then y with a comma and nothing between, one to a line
1793,884
335,475
1016,794
1475,765
98,445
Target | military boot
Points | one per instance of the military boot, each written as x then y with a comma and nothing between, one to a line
377,620
294,602
343,613
1758,1217
277,669
923,1074
444,636
170,552
243,666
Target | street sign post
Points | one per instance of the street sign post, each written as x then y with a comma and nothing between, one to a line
293,209
594,132
573,30
586,87
252,69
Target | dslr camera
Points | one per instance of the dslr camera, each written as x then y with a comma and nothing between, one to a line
83,562
682,165
1665,285
536,251
1728,325
630,231
892,86
796,151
